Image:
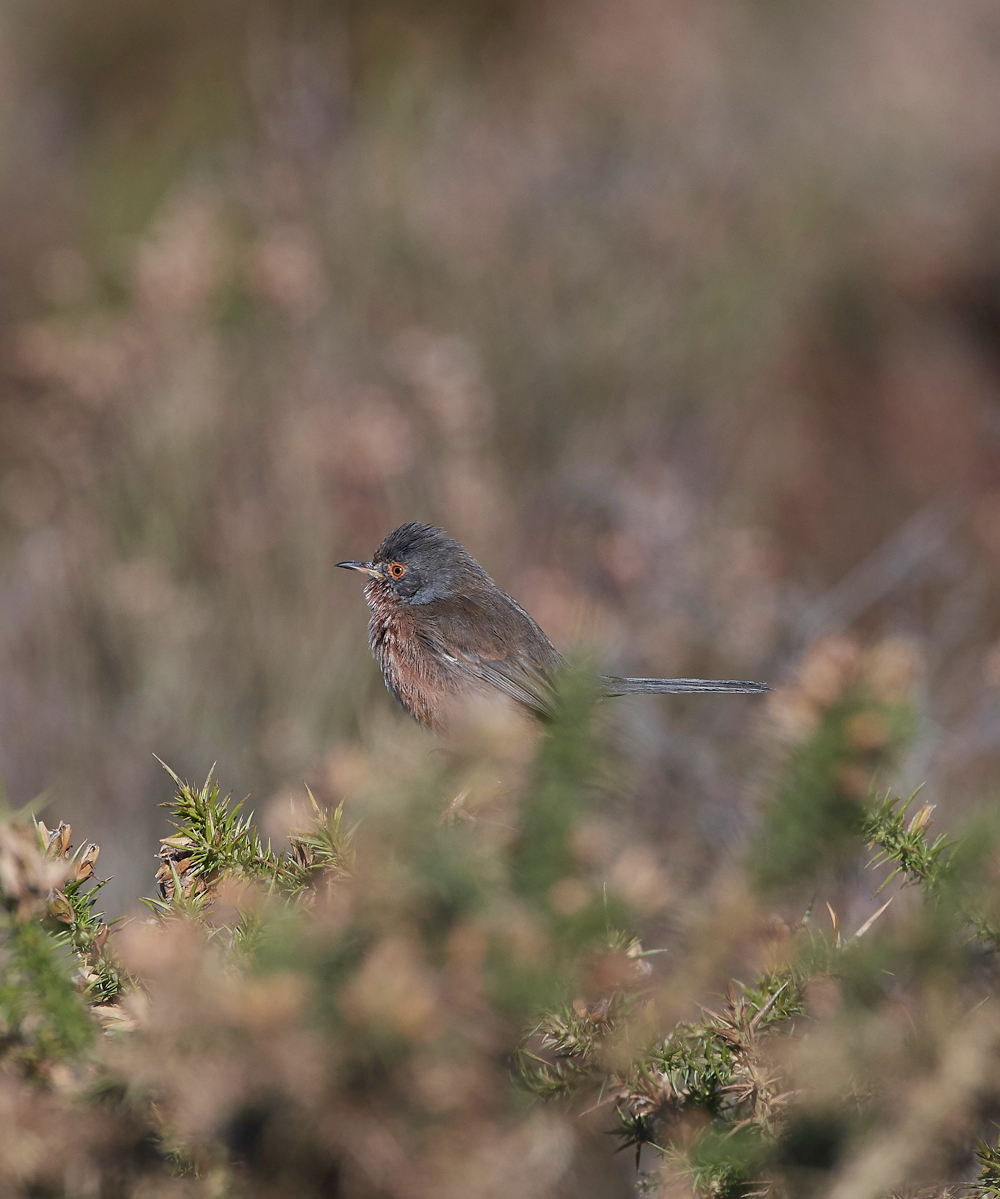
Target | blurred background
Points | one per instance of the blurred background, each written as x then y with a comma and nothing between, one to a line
685,318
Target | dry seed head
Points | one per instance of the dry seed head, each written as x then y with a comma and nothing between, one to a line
922,819
867,730
829,668
26,876
394,990
891,669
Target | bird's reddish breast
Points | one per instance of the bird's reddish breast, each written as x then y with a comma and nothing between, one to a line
411,673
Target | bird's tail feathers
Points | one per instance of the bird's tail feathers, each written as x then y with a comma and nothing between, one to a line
616,686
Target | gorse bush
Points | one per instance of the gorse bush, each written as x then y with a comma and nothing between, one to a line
440,989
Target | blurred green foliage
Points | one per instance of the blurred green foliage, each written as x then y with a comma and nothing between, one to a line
41,1018
420,968
817,814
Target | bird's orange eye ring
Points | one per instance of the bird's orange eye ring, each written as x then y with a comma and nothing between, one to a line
397,570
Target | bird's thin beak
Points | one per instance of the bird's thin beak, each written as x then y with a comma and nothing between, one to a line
366,568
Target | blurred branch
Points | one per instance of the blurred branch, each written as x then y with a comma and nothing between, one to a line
901,555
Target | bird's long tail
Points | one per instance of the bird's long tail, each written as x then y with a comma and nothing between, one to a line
615,686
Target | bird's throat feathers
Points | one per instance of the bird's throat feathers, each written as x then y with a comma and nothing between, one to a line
410,673
389,618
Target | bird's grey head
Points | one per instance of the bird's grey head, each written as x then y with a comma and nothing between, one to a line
419,563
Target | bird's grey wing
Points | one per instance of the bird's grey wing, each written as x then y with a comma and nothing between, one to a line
530,689
494,641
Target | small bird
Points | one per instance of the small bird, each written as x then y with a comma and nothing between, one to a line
442,631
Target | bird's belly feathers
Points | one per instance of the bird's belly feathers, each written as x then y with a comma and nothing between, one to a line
423,682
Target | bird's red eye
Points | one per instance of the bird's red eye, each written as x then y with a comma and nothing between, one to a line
397,570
